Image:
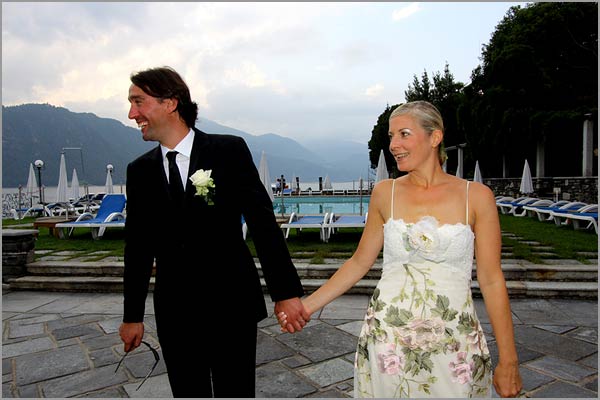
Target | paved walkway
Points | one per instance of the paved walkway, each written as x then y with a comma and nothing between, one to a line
67,345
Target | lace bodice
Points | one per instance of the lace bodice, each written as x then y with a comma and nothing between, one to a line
427,240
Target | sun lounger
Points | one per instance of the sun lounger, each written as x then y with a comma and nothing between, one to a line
110,215
587,215
515,207
344,221
308,221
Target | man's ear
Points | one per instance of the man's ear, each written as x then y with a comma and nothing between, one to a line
171,104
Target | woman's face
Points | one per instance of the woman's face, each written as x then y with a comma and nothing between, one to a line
410,145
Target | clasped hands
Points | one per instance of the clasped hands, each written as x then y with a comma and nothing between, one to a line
291,315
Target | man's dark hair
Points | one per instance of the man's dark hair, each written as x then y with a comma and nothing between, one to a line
165,83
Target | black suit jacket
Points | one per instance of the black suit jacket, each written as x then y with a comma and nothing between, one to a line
203,265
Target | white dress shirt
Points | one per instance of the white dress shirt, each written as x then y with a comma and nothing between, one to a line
184,152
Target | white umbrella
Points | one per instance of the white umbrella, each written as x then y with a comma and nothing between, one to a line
526,182
458,172
108,186
327,183
477,177
61,190
263,173
32,186
382,172
75,186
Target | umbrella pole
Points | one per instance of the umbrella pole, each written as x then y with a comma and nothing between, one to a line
281,194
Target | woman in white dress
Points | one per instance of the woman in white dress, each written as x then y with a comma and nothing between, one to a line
421,336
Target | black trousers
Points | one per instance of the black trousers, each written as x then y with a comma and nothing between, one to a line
220,364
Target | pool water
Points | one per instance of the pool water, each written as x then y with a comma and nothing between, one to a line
307,205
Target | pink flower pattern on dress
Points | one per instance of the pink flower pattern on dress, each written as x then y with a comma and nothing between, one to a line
462,371
389,362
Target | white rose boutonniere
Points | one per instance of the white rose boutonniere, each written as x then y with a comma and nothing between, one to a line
204,185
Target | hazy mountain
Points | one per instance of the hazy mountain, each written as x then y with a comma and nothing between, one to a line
41,131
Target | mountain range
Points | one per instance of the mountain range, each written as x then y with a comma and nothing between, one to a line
43,131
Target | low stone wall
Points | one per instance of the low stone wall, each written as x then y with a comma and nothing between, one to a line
18,249
583,189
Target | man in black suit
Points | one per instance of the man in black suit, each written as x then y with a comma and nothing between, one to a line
205,274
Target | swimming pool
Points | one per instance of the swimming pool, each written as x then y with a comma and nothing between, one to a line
305,205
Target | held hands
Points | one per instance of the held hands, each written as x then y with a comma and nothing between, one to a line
507,380
291,314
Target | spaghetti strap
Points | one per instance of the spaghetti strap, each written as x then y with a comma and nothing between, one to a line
467,202
392,211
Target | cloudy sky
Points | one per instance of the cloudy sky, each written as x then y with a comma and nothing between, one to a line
301,70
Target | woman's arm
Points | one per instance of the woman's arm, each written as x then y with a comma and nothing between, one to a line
363,258
488,242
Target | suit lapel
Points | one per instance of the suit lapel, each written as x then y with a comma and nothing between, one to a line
199,159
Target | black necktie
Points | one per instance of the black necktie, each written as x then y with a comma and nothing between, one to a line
175,185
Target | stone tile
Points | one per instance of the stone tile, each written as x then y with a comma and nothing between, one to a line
273,380
27,346
101,342
29,318
320,342
103,357
328,372
539,312
140,362
7,391
351,307
68,302
592,385
352,328
155,387
523,353
83,382
7,378
590,361
37,367
53,258
108,304
344,386
562,389
68,253
31,391
581,312
20,302
562,369
562,262
268,322
112,393
76,331
8,315
6,366
67,342
350,357
112,325
586,334
560,329
73,320
550,343
269,349
331,394
336,322
295,362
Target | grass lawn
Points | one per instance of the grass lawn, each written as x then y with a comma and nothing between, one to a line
564,241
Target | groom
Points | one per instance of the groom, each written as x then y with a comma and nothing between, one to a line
205,274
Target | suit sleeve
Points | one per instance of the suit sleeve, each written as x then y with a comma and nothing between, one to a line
279,272
139,257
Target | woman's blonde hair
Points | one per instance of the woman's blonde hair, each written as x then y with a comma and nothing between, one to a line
428,116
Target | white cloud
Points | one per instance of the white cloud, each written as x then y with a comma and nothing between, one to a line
405,12
374,90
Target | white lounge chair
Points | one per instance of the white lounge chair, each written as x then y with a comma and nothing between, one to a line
587,215
344,221
110,215
307,221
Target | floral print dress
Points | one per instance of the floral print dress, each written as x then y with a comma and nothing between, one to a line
421,336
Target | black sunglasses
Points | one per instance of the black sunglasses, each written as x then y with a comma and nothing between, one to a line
156,360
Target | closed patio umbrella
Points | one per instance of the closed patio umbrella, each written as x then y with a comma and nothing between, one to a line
477,177
327,183
526,181
263,173
32,186
75,186
108,185
61,191
382,172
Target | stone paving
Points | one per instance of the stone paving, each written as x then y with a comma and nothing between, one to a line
67,345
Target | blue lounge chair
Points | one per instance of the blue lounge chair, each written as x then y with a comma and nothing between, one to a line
515,207
544,212
587,215
110,215
308,221
344,221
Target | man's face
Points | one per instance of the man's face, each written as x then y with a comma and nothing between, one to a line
150,114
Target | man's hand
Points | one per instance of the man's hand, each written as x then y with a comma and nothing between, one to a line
131,335
291,314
